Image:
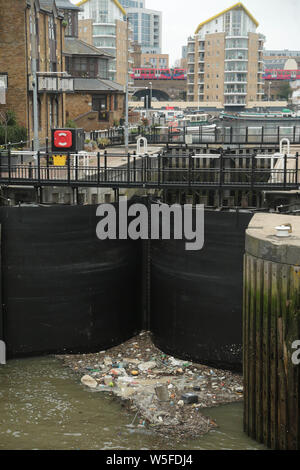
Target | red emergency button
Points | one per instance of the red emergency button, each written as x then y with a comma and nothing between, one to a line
63,139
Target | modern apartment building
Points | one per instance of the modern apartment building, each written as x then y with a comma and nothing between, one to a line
103,24
146,24
225,60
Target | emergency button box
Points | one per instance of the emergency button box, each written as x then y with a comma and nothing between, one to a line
63,139
67,140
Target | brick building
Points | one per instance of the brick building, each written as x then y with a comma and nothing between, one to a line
26,25
157,61
97,102
104,25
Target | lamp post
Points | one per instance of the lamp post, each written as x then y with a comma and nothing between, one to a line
270,83
150,83
34,53
126,137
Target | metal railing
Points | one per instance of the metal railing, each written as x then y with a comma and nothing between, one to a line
226,135
214,171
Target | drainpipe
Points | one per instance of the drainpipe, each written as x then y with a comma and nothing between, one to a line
34,80
126,90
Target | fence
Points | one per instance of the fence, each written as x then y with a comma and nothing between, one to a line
202,135
211,171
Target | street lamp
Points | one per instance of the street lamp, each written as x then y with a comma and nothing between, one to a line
126,130
150,83
270,83
147,101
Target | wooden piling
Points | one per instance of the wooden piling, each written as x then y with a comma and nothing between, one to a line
271,324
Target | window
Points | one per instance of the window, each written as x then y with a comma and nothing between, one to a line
72,19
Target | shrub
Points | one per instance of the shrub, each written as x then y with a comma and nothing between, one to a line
70,124
103,142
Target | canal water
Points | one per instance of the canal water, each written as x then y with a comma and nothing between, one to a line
43,405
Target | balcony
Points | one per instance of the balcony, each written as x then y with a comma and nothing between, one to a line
236,36
232,82
236,71
235,93
236,48
236,60
48,83
105,35
240,103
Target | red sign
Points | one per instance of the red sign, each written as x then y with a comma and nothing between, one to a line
63,139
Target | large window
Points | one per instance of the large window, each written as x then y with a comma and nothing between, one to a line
52,43
72,18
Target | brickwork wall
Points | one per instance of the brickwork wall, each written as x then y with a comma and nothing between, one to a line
13,57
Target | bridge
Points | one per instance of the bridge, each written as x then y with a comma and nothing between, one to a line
162,90
218,170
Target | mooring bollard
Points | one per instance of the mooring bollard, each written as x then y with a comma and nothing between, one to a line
271,327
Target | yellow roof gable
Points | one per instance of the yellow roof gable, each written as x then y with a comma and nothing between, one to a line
82,2
237,5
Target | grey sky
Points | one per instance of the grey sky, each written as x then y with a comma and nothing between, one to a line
279,21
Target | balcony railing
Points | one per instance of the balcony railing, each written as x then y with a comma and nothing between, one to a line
52,83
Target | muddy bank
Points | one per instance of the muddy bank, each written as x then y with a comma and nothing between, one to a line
166,394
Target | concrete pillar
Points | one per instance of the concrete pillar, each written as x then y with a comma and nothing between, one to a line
271,328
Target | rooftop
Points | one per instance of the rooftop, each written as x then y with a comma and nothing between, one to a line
75,46
95,84
237,5
66,5
82,2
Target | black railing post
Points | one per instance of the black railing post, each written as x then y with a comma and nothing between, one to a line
47,165
30,170
158,168
69,167
105,165
190,169
297,168
39,165
285,171
98,167
253,168
294,135
262,134
9,162
47,144
76,170
278,134
247,134
128,168
221,170
134,169
231,134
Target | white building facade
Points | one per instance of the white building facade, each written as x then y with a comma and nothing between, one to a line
225,60
146,24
